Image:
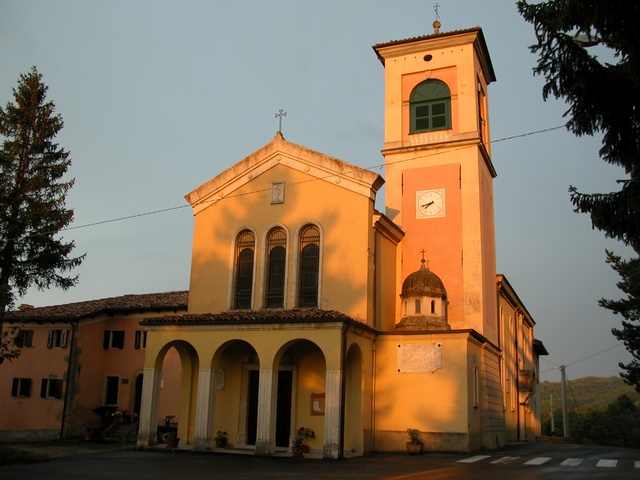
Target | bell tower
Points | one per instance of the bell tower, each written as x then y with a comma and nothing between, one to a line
438,169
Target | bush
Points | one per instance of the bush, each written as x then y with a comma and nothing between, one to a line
618,425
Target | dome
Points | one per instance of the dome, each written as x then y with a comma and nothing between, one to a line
423,283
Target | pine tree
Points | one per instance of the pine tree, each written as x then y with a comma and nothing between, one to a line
32,197
629,308
603,98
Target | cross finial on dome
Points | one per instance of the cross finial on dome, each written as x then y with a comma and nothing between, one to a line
422,261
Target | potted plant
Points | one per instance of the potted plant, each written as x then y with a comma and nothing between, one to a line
171,437
89,433
298,446
221,439
415,443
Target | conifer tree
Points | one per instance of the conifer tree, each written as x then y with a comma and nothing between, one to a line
32,198
602,98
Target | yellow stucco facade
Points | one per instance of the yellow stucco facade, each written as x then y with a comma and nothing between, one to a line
375,351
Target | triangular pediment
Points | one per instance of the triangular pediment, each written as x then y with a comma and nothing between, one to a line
281,152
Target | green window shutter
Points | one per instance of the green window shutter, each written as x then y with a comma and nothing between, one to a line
430,107
14,387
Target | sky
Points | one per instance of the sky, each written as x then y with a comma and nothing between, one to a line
160,96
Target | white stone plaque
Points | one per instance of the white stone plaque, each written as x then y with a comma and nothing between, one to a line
419,357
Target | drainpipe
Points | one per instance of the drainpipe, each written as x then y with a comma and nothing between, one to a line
343,393
71,373
373,396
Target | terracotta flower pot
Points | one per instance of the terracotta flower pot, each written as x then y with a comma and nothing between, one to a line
297,451
172,442
414,448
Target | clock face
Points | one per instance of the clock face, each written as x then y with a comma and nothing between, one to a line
430,203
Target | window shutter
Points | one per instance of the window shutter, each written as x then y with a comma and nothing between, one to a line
137,339
14,387
105,339
50,339
18,341
43,388
26,386
28,339
118,339
58,388
63,338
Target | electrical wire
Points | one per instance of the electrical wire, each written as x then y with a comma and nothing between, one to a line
374,167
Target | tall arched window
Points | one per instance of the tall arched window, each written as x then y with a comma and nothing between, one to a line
309,266
430,107
245,248
276,261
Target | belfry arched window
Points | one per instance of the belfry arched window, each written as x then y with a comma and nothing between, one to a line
430,107
309,266
243,281
276,261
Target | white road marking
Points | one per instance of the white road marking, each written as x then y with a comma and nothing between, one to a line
607,463
538,461
571,462
504,459
477,458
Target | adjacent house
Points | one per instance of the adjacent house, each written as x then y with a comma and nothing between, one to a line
77,358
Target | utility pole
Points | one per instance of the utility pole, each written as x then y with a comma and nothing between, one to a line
553,422
565,416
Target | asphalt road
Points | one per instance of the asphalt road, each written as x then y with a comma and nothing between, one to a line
544,460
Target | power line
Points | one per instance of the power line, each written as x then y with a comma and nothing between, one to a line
374,167
581,360
595,354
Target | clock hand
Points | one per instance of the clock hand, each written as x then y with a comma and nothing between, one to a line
427,205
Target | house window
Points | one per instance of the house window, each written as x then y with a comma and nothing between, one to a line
51,388
141,339
430,106
276,261
417,306
24,338
433,306
245,248
21,387
113,339
111,390
57,339
309,268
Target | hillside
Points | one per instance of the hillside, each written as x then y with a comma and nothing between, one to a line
588,393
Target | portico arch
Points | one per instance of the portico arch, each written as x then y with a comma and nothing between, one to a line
173,373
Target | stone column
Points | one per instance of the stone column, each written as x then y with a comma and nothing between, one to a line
332,414
147,429
205,407
265,436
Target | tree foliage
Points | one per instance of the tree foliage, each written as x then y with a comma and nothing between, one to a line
32,196
603,97
629,308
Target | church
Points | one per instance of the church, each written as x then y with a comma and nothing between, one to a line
310,308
